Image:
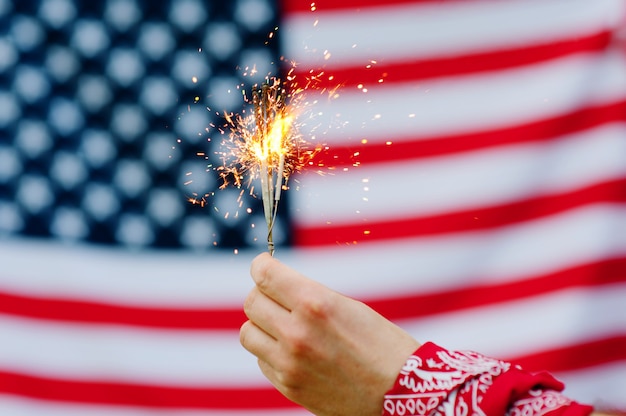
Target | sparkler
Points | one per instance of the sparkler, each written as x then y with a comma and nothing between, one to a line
267,144
272,125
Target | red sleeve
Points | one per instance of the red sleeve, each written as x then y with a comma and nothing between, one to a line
435,381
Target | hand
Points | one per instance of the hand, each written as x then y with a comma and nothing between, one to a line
331,354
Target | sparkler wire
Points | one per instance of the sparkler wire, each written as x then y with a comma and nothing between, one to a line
268,102
267,143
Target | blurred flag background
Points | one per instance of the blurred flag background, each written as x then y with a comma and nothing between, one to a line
477,195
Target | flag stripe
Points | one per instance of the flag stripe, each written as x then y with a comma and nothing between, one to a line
81,311
515,97
600,386
181,361
140,395
419,70
584,228
318,39
151,396
492,176
464,221
397,307
21,405
605,272
585,355
123,277
143,355
399,149
291,7
514,252
552,320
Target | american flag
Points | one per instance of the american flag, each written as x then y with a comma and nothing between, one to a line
477,196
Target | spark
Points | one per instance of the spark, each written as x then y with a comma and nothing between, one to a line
267,145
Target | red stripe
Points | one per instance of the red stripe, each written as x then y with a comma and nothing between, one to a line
102,313
573,357
585,355
424,147
608,271
292,6
462,221
402,307
112,393
383,73
231,319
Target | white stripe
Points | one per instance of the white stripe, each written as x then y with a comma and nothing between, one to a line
422,265
434,30
20,406
462,181
120,276
515,328
178,358
602,386
462,104
582,235
117,353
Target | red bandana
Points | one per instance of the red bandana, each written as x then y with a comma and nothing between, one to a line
435,381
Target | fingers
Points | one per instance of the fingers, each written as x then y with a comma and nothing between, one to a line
266,314
267,307
257,341
278,281
266,349
271,374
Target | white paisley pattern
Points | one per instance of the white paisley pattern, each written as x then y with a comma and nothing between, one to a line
539,403
438,382
428,383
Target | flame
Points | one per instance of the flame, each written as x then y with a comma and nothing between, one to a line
271,147
266,143
267,137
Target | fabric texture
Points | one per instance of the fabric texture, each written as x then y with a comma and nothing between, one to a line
436,381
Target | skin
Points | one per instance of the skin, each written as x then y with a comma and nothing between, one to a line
329,353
